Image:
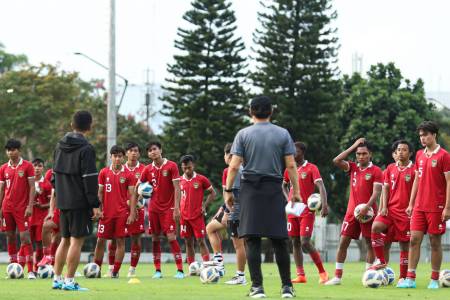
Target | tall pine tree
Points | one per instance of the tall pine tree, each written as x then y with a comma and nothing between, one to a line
296,51
205,95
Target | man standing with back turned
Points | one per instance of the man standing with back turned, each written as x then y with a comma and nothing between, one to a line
265,150
76,187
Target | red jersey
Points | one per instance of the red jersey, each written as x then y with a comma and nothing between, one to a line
43,193
192,194
48,175
361,184
162,180
431,192
115,190
224,177
16,188
136,171
400,180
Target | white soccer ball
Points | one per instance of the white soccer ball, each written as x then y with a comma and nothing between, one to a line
314,202
389,274
367,217
194,268
209,275
14,271
444,278
45,271
145,190
372,279
91,270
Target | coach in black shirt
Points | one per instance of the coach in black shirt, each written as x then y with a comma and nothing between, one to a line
265,150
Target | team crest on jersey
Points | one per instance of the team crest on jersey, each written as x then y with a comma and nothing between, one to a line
165,173
20,173
303,175
138,175
196,185
407,178
368,176
122,180
434,163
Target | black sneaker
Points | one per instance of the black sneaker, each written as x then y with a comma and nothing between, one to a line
287,292
115,275
257,292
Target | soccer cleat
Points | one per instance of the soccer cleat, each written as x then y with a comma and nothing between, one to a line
407,284
299,279
377,267
434,284
334,281
73,286
179,275
236,280
131,273
287,292
31,275
115,275
257,292
323,277
57,284
157,275
46,260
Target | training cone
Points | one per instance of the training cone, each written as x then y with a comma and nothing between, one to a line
134,281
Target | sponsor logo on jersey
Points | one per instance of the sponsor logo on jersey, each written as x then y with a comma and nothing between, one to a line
434,163
368,176
122,180
196,185
138,175
165,173
20,173
407,177
303,175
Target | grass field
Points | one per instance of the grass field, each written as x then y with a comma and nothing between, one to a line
191,288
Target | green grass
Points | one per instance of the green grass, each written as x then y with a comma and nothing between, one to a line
191,288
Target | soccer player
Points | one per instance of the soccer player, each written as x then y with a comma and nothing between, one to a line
300,228
163,174
40,209
365,187
115,185
392,223
429,205
17,196
217,223
192,224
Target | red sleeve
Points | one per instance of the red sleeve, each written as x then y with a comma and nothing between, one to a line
286,176
315,173
206,183
101,177
48,188
145,175
48,175
416,163
30,171
2,175
224,177
378,176
351,166
174,171
387,175
446,163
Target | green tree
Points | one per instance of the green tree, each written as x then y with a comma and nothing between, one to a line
205,95
8,61
296,50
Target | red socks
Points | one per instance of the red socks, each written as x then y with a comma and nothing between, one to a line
378,246
435,275
205,257
99,262
176,251
403,264
300,271
21,256
117,265
315,256
157,255
111,254
12,252
135,254
37,257
411,274
190,259
28,251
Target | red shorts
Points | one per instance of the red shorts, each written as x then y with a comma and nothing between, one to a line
195,227
427,222
137,227
161,222
353,228
13,220
55,219
301,226
36,233
112,228
398,227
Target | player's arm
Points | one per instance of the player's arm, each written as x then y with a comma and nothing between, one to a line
133,203
285,188
31,197
384,199
446,211
100,195
177,191
323,197
376,191
340,160
210,198
414,189
233,170
52,205
291,168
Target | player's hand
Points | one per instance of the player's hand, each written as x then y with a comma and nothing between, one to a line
409,210
358,141
364,210
324,211
446,214
229,200
176,214
132,217
96,214
383,212
296,198
29,211
49,216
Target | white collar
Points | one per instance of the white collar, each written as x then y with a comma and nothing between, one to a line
164,162
11,166
193,176
303,165
121,170
135,167
41,180
435,150
368,166
409,165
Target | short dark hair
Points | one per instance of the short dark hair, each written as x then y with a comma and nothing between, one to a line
428,126
116,150
153,143
404,142
227,148
12,144
185,159
261,107
301,145
131,145
37,161
365,144
394,146
82,120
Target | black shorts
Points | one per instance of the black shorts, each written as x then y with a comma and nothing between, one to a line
233,226
75,223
